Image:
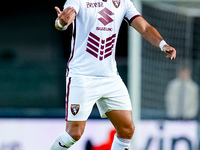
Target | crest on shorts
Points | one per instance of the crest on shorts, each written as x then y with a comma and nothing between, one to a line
116,3
75,109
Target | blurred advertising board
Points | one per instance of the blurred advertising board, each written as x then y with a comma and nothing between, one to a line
167,135
38,134
32,134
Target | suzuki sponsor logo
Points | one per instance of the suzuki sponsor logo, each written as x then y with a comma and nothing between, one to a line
105,19
103,29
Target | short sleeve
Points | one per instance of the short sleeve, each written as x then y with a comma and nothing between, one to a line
131,12
73,3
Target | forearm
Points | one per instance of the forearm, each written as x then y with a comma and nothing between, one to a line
147,31
152,35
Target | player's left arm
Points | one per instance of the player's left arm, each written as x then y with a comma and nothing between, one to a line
152,35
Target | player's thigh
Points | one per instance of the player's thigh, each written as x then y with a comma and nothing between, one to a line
123,122
80,98
116,97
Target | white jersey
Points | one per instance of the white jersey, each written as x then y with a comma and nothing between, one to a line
95,32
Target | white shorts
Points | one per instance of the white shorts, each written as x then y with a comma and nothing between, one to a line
109,93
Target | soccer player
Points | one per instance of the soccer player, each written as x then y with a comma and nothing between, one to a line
92,75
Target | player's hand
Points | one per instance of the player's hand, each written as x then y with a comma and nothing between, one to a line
170,51
58,10
66,16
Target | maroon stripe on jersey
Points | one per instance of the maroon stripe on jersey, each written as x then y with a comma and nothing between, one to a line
92,52
110,38
108,55
109,49
93,42
110,43
94,36
92,47
67,98
101,52
72,52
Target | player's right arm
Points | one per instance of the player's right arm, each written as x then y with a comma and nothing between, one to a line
65,18
151,34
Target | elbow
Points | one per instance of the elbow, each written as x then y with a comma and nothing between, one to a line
145,32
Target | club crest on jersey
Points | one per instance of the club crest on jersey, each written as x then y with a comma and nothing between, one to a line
75,109
116,3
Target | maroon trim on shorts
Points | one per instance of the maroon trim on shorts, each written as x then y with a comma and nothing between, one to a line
72,52
67,98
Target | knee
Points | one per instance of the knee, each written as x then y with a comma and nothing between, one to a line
126,132
75,129
75,135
